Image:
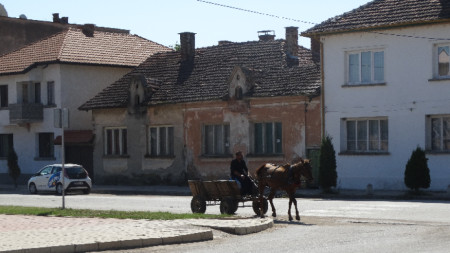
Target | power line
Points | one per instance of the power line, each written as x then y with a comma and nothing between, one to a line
312,23
257,12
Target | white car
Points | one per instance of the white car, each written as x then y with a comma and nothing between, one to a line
49,179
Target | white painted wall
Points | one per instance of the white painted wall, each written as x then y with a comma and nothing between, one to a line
74,85
405,100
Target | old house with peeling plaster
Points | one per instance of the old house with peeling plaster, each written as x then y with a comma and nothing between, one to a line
184,114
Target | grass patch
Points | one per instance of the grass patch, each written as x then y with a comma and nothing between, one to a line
58,212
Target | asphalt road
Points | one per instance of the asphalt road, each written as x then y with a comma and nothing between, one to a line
326,225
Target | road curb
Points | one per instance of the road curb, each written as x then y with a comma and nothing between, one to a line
122,244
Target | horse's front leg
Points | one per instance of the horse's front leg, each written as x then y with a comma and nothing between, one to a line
289,209
271,195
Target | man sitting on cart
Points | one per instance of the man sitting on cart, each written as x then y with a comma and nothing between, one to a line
239,172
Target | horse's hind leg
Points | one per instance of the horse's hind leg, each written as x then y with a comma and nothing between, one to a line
271,195
297,215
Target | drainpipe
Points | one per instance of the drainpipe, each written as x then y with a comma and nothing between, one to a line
306,127
322,90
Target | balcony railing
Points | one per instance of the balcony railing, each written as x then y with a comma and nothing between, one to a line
26,113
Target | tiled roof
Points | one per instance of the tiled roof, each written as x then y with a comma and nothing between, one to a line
73,46
207,77
385,13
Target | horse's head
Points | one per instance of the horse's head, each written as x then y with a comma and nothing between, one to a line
303,168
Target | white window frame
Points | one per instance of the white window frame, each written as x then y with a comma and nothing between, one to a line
164,144
372,69
276,140
442,134
363,145
118,143
436,58
211,145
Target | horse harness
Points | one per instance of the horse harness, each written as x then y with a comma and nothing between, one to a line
289,170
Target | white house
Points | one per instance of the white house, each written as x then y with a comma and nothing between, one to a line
60,71
386,90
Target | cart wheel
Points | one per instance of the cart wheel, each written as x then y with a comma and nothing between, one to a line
228,205
255,206
198,204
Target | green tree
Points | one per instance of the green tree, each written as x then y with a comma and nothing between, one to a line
327,164
13,166
417,173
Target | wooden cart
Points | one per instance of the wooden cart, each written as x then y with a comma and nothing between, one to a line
225,192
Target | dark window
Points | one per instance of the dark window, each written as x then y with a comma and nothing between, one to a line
161,141
116,141
46,149
216,139
6,143
3,95
50,93
37,93
268,138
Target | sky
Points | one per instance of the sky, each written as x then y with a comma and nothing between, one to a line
162,21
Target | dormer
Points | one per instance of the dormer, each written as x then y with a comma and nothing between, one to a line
137,94
239,83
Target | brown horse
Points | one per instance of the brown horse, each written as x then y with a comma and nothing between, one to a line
287,178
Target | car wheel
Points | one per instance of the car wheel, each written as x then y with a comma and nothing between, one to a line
59,189
32,188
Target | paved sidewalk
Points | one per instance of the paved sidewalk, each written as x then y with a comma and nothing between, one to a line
20,233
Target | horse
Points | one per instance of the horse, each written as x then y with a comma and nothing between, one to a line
285,177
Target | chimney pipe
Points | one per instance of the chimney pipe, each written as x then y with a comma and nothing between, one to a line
266,35
88,30
315,49
65,20
187,46
292,40
56,18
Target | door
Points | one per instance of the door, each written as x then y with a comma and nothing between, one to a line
313,156
43,178
82,155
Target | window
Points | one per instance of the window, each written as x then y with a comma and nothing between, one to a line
440,133
367,135
443,53
268,138
29,92
3,96
37,93
51,93
6,143
116,141
161,141
46,149
366,67
216,139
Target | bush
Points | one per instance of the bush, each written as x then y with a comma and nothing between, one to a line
13,166
327,164
417,173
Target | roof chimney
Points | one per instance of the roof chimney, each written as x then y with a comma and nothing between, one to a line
187,46
315,49
65,20
56,18
266,35
88,30
292,40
